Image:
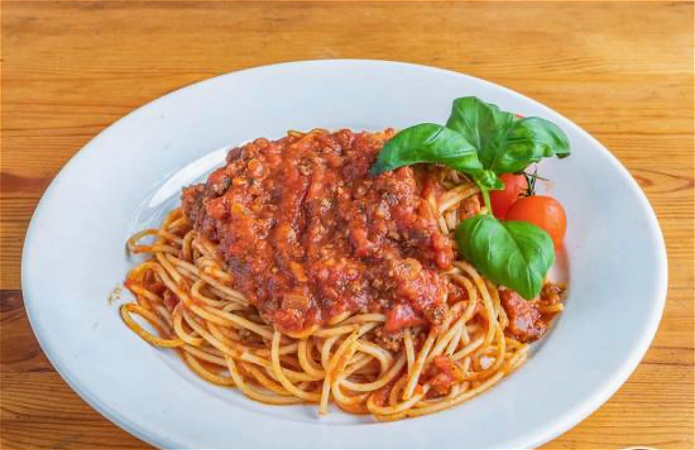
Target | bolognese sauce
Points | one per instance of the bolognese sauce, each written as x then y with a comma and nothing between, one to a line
309,235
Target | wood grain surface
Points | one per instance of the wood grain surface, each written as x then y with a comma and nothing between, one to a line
623,71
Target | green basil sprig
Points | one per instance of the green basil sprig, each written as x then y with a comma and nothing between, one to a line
483,142
506,143
514,254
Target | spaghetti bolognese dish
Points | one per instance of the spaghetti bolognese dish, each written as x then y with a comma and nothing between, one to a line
371,270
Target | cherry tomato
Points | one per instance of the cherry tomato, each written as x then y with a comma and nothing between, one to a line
542,211
514,186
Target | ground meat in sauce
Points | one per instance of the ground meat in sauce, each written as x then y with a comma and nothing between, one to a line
441,374
308,233
552,293
525,321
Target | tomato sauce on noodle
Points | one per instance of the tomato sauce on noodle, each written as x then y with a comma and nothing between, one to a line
309,235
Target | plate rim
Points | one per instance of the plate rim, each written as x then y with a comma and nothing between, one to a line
565,421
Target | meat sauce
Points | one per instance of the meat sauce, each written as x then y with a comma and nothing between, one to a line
308,234
526,322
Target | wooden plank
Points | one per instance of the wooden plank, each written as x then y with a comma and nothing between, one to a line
66,421
622,71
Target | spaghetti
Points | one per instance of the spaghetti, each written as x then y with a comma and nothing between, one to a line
187,294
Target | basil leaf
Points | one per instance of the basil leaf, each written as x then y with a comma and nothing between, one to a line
428,143
482,124
527,141
505,143
514,254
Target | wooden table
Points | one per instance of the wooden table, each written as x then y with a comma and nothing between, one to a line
623,71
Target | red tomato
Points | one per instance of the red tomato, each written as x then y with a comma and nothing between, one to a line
514,186
544,212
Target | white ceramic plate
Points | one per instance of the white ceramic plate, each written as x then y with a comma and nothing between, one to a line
131,174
